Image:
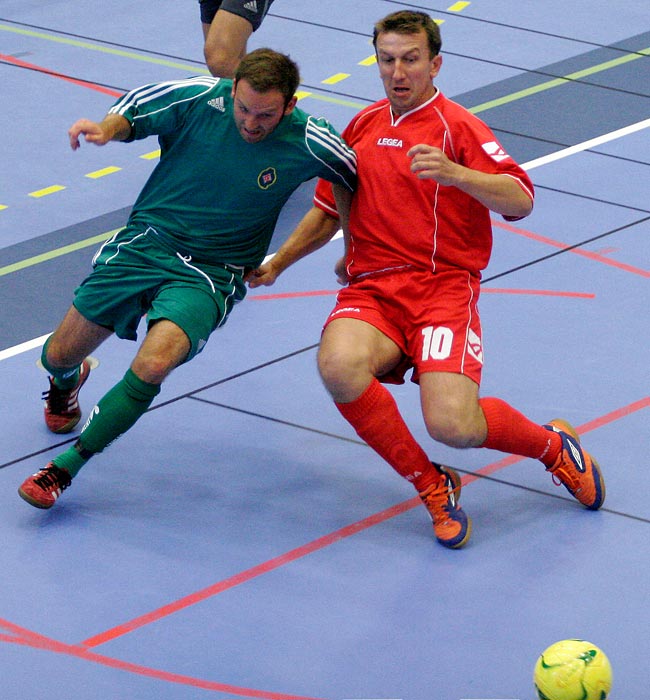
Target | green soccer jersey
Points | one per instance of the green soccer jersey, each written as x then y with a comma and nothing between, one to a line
213,195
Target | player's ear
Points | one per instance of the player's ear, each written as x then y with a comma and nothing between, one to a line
290,105
436,65
234,88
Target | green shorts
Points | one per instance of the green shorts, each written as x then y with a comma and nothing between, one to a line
135,274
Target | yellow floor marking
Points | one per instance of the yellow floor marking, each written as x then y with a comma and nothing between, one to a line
336,78
557,82
301,94
370,61
3,206
342,103
47,190
521,94
104,171
324,98
458,6
190,68
36,259
104,49
152,155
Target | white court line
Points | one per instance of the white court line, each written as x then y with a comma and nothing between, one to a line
23,347
530,165
592,143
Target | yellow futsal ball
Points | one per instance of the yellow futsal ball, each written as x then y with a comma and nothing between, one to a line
573,670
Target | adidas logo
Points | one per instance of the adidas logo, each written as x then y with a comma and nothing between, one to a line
252,6
217,103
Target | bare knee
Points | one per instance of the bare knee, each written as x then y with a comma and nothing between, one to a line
451,409
452,433
351,354
153,368
459,427
220,62
345,374
165,347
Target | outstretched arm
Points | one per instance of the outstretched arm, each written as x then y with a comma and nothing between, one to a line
499,193
114,127
343,198
314,230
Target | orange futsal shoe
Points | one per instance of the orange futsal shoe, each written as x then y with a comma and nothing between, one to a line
576,469
43,488
450,524
62,411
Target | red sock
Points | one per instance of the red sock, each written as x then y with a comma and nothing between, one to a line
375,417
510,431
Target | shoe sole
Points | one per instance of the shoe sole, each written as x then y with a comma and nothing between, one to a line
568,428
32,502
64,429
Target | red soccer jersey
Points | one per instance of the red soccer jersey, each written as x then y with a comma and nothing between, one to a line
398,220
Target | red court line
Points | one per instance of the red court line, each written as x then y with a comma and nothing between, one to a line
563,246
494,290
325,541
60,76
36,641
484,290
292,295
11,639
248,574
83,651
584,428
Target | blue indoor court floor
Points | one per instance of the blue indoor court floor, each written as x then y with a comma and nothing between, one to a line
241,541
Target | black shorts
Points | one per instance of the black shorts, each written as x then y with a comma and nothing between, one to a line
252,10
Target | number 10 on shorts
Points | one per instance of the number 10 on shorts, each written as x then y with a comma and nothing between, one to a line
436,342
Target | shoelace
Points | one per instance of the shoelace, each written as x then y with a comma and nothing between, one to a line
567,477
53,476
57,399
441,509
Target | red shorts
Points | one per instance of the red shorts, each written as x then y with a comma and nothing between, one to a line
433,319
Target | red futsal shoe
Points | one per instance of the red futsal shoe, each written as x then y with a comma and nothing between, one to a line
450,524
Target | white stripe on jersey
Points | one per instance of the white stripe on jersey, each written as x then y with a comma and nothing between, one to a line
328,141
147,93
324,136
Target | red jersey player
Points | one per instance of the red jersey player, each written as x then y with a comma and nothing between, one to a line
417,235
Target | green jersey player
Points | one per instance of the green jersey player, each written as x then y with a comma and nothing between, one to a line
232,153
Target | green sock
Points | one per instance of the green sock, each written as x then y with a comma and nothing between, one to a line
63,378
72,459
115,413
